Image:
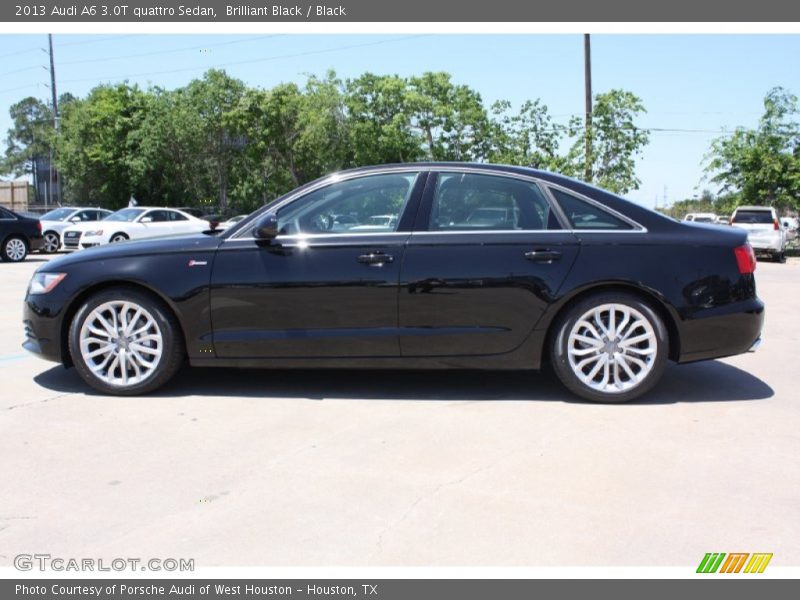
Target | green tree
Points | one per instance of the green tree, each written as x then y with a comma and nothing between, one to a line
528,138
450,119
94,144
616,141
30,136
762,165
379,116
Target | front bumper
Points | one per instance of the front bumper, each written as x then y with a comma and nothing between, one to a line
42,329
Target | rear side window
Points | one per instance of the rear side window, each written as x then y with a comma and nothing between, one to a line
585,215
469,202
753,217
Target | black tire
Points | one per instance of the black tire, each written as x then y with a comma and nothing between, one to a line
559,346
50,237
173,349
780,257
118,237
14,249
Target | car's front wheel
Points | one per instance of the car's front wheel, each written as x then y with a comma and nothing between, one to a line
125,342
14,249
610,347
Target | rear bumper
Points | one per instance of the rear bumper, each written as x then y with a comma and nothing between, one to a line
766,245
724,331
35,243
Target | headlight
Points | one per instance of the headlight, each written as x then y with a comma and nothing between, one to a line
93,233
42,283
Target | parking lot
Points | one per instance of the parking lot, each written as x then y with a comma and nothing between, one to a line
404,468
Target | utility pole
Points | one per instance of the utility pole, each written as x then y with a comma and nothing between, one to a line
587,76
56,120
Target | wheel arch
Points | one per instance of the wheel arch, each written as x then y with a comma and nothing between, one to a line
77,301
651,297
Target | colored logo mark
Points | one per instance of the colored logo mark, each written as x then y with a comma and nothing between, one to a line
734,562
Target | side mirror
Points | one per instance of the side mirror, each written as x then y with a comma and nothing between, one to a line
267,227
146,220
74,220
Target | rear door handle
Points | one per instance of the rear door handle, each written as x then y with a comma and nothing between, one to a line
543,255
376,259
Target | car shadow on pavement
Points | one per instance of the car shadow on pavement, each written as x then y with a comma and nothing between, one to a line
712,381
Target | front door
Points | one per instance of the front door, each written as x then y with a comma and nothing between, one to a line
327,286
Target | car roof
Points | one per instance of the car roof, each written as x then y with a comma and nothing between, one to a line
769,208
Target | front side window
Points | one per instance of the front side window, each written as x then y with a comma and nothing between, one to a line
470,202
372,204
125,215
58,214
585,215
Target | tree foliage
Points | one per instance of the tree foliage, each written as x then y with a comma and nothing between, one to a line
221,143
762,165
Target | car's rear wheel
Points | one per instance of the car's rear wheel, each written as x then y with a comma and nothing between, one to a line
14,249
125,342
779,257
610,347
51,242
118,237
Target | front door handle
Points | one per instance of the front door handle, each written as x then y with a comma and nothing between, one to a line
376,259
544,255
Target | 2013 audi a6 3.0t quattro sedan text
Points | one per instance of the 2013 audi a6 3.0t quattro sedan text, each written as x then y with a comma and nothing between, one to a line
469,266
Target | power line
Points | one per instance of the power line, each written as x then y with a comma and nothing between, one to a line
249,61
172,51
142,54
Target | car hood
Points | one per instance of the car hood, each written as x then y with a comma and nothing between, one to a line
164,245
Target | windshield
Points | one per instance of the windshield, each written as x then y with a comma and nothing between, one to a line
126,214
753,216
59,214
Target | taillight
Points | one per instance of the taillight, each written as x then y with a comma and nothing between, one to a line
745,259
39,226
776,224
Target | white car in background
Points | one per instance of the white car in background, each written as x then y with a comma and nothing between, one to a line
132,223
223,225
701,217
764,231
57,220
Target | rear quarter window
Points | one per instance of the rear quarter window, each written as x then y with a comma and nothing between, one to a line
585,215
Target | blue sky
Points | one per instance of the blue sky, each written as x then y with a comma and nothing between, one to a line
700,84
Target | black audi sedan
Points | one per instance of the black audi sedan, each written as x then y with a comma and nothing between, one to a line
19,235
434,265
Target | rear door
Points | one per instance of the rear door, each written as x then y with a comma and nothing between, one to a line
485,260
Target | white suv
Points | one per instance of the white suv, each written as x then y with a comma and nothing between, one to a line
764,230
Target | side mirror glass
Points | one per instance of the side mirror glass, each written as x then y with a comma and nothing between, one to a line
266,227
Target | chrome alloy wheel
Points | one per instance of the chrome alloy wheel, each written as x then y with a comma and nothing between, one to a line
612,348
15,249
121,343
51,242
